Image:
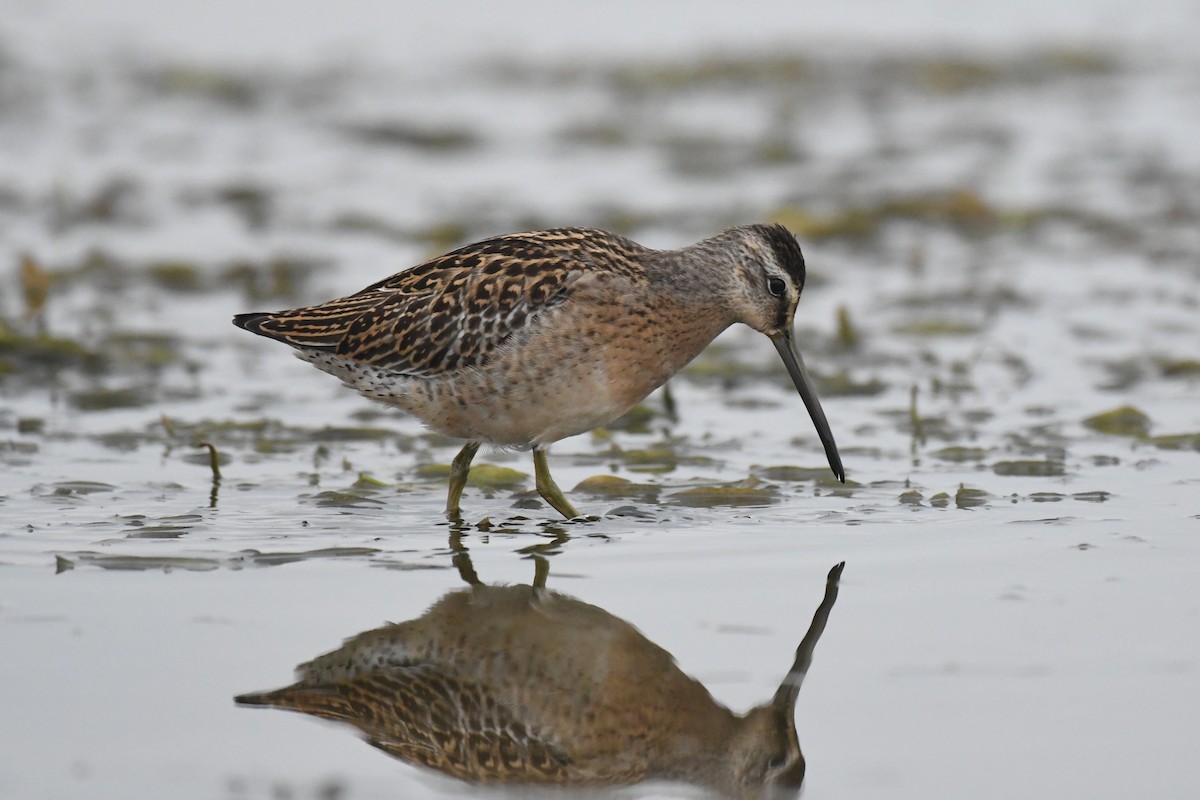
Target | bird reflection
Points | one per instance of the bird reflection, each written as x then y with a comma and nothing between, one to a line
524,685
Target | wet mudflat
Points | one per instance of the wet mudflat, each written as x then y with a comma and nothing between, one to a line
1002,315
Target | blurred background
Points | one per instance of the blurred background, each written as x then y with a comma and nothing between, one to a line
1000,209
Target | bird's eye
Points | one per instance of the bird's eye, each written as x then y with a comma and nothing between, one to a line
776,762
776,286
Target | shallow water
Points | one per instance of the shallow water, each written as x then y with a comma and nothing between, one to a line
1009,240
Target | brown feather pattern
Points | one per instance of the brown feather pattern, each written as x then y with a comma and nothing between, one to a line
422,714
454,311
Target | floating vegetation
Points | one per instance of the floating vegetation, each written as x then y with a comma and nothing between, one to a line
937,327
1179,368
656,458
432,472
234,90
959,454
748,492
841,384
1122,421
41,352
635,420
280,278
252,203
970,498
1029,468
611,486
791,474
332,433
418,136
102,398
959,74
1177,441
142,349
112,202
493,477
369,483
961,209
726,366
729,71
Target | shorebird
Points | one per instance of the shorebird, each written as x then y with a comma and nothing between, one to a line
524,339
523,685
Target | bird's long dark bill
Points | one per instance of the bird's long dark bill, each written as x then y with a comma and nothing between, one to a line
789,690
795,367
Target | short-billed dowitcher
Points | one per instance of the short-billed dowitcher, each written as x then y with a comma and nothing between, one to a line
525,339
522,685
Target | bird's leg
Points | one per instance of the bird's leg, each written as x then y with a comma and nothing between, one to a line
460,467
547,488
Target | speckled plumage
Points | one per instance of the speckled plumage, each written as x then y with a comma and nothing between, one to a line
521,685
525,339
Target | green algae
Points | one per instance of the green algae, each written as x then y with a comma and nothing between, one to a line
791,474
142,349
961,209
432,472
332,433
368,483
41,351
102,398
656,458
491,476
635,420
427,138
937,327
1177,441
960,454
841,384
252,203
612,486
234,90
749,492
1179,368
1122,421
1029,468
277,279
967,497
716,71
176,276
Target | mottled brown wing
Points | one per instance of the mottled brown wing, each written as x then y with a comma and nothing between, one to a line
423,716
453,311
